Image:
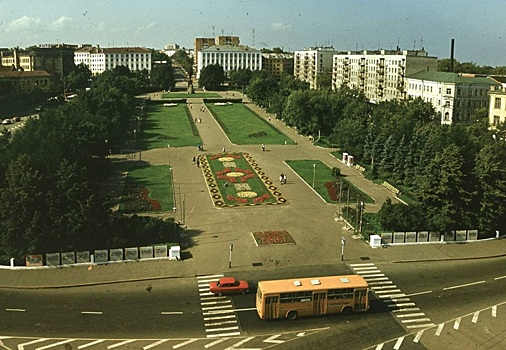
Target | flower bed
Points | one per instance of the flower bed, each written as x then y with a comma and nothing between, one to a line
236,179
272,237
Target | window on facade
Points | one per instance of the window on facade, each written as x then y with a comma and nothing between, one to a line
497,103
448,91
497,120
447,104
459,91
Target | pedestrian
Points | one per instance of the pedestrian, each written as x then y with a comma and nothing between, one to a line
200,120
198,163
263,147
284,179
194,159
269,118
195,120
198,147
281,178
223,150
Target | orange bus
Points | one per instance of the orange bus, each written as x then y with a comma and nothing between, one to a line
292,298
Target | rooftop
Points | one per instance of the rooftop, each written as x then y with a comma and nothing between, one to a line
456,78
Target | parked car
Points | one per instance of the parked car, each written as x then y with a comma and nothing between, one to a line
229,285
6,121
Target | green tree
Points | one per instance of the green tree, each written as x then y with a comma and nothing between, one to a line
240,78
79,79
212,77
442,192
161,73
185,61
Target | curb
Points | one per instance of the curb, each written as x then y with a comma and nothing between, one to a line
91,283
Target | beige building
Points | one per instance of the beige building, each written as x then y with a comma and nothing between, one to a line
101,59
381,74
277,63
25,80
454,96
497,105
313,65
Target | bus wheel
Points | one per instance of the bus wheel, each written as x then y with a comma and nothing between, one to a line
347,310
292,315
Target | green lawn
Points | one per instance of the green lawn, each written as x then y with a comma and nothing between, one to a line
195,95
243,127
157,180
164,126
309,169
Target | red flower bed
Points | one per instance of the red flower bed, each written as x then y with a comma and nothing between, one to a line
261,198
272,237
153,204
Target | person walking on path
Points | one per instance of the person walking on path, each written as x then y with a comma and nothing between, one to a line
198,162
263,147
281,178
284,179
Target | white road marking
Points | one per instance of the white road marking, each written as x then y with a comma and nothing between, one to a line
425,325
403,304
439,329
391,296
216,342
216,307
456,325
419,293
369,272
418,336
246,309
365,268
364,264
376,279
216,302
236,345
215,297
200,278
117,345
92,312
475,317
464,285
22,346
407,309
416,320
273,340
387,291
494,311
231,334
171,312
217,312
373,275
398,343
147,347
83,346
219,323
55,344
380,283
384,287
218,317
16,310
222,329
185,343
411,315
499,278
379,346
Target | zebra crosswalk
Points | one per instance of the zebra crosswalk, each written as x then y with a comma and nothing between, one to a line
401,306
220,319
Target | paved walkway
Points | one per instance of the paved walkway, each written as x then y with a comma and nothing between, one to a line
310,221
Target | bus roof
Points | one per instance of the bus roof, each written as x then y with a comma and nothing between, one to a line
312,283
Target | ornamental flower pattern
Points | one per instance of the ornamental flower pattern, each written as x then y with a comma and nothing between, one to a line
237,177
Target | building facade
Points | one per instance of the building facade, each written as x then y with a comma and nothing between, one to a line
380,75
497,104
230,58
100,59
454,96
19,81
277,63
313,65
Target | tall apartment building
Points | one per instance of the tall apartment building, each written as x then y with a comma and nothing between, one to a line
229,57
101,59
313,65
497,104
380,75
277,63
455,96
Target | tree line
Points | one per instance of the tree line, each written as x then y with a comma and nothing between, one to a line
54,173
454,174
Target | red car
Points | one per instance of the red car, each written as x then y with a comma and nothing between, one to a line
229,285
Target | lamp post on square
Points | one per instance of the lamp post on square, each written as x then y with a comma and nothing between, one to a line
343,243
314,173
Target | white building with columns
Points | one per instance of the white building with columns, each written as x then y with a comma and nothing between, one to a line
229,57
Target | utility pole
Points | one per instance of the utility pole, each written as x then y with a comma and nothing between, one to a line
230,256
343,243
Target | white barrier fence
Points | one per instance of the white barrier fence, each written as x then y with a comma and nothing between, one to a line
105,256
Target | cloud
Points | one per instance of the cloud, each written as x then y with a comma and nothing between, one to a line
61,21
280,26
147,27
24,22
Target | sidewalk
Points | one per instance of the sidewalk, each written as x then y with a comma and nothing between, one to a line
310,221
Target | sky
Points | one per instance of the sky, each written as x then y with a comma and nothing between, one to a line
477,26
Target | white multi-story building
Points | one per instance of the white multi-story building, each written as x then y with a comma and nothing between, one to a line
455,96
380,75
497,110
313,64
229,57
101,59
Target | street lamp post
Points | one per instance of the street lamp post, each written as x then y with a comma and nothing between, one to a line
343,242
168,147
284,158
230,256
314,173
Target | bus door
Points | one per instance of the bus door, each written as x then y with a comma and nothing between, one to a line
319,303
361,300
271,306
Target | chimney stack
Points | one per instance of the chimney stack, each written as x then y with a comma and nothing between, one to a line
452,52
